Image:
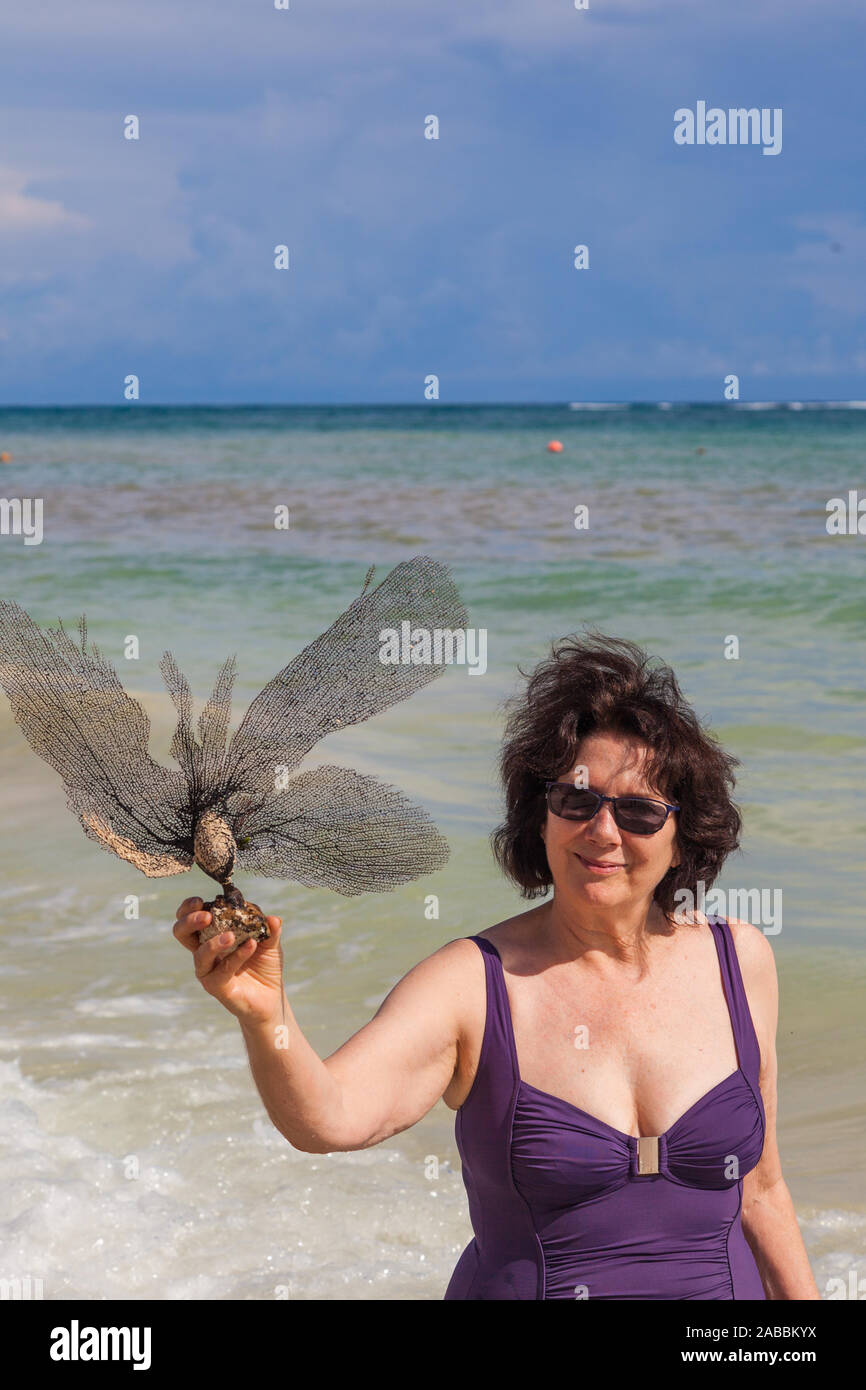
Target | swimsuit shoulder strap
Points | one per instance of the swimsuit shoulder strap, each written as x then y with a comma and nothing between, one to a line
745,1037
497,1062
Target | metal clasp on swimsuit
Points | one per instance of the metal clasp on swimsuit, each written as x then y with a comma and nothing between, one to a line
648,1154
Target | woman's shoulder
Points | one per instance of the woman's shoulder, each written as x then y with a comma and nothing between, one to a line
757,963
513,936
462,954
758,970
754,951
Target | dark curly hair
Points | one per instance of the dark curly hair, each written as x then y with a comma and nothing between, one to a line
597,683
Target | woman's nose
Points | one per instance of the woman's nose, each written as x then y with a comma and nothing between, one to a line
603,826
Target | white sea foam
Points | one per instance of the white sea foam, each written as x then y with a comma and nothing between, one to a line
129,1005
833,405
189,1209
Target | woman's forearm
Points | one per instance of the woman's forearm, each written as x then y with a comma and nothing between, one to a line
300,1095
770,1227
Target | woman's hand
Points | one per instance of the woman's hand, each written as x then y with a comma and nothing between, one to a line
249,981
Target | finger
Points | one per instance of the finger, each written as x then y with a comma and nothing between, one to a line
187,929
188,905
272,941
209,955
230,966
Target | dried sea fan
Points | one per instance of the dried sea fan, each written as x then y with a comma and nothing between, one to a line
236,806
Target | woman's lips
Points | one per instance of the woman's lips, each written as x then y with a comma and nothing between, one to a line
599,867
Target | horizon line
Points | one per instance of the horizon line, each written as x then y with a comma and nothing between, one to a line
432,406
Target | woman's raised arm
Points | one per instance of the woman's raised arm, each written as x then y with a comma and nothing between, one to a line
381,1081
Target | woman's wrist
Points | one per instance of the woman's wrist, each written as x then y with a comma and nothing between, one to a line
256,1027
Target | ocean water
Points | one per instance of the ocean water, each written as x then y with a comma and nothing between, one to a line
136,1159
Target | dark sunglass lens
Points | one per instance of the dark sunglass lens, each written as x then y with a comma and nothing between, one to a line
639,816
574,803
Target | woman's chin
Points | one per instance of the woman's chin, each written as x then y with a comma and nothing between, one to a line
604,892
609,888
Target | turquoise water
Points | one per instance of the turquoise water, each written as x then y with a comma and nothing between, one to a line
159,523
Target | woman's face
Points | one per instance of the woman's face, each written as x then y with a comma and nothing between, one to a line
595,862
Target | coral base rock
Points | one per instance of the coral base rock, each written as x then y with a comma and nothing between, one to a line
247,921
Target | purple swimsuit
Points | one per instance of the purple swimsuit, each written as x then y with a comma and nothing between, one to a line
565,1206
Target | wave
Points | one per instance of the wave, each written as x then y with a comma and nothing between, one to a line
826,405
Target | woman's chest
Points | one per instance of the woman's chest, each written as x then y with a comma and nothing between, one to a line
637,1056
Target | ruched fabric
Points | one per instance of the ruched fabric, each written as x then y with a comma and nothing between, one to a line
558,1205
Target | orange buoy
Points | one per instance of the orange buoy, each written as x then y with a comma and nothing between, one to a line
554,447
5,458
700,449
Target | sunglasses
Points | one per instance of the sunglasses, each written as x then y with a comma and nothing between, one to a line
639,815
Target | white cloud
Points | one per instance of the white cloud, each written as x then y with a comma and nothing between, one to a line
21,211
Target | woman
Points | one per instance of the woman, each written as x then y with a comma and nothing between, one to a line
610,1056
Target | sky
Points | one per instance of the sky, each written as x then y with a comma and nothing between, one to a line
411,257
